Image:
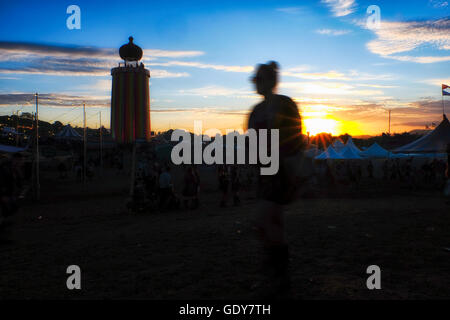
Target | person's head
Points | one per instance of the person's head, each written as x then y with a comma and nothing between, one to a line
266,78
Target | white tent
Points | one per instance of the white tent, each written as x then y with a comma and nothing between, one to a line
338,145
376,151
349,153
10,149
68,133
312,152
330,153
434,142
351,145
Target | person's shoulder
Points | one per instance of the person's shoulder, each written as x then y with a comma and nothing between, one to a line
287,104
258,107
285,99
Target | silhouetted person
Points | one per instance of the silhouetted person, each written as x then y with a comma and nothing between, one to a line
276,112
224,181
190,189
165,188
235,184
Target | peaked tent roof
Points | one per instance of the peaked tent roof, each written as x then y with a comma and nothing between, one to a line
349,153
68,133
338,145
434,142
330,153
375,151
351,144
312,152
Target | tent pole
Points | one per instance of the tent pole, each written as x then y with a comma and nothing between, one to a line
443,104
17,128
101,145
38,186
84,143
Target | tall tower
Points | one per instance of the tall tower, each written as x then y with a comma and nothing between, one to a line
130,96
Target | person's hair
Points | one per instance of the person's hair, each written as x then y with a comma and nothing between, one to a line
269,71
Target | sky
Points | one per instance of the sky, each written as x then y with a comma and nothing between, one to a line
344,71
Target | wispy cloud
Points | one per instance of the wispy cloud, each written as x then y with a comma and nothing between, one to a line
25,50
334,75
218,91
329,75
436,81
341,8
401,37
200,65
438,3
53,100
328,89
31,58
332,32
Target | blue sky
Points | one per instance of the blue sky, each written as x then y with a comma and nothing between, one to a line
201,54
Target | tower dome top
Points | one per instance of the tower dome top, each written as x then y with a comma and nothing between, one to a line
130,51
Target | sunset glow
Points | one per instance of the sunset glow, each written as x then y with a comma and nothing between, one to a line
318,125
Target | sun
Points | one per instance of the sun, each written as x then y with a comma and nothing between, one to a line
319,125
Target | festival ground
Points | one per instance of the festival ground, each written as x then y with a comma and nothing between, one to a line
213,253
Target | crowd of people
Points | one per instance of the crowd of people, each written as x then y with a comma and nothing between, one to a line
416,173
157,190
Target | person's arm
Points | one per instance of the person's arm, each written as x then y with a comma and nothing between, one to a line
291,139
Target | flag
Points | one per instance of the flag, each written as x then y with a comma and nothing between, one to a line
445,90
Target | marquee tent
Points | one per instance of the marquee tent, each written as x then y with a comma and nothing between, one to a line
375,151
349,153
68,133
312,152
330,153
338,145
352,146
434,142
10,149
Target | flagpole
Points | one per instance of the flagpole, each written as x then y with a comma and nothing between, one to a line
38,187
84,143
101,145
443,104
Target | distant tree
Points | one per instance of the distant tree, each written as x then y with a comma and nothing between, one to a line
322,140
344,137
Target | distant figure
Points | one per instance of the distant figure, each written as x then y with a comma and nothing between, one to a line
224,181
235,184
165,187
190,190
276,112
